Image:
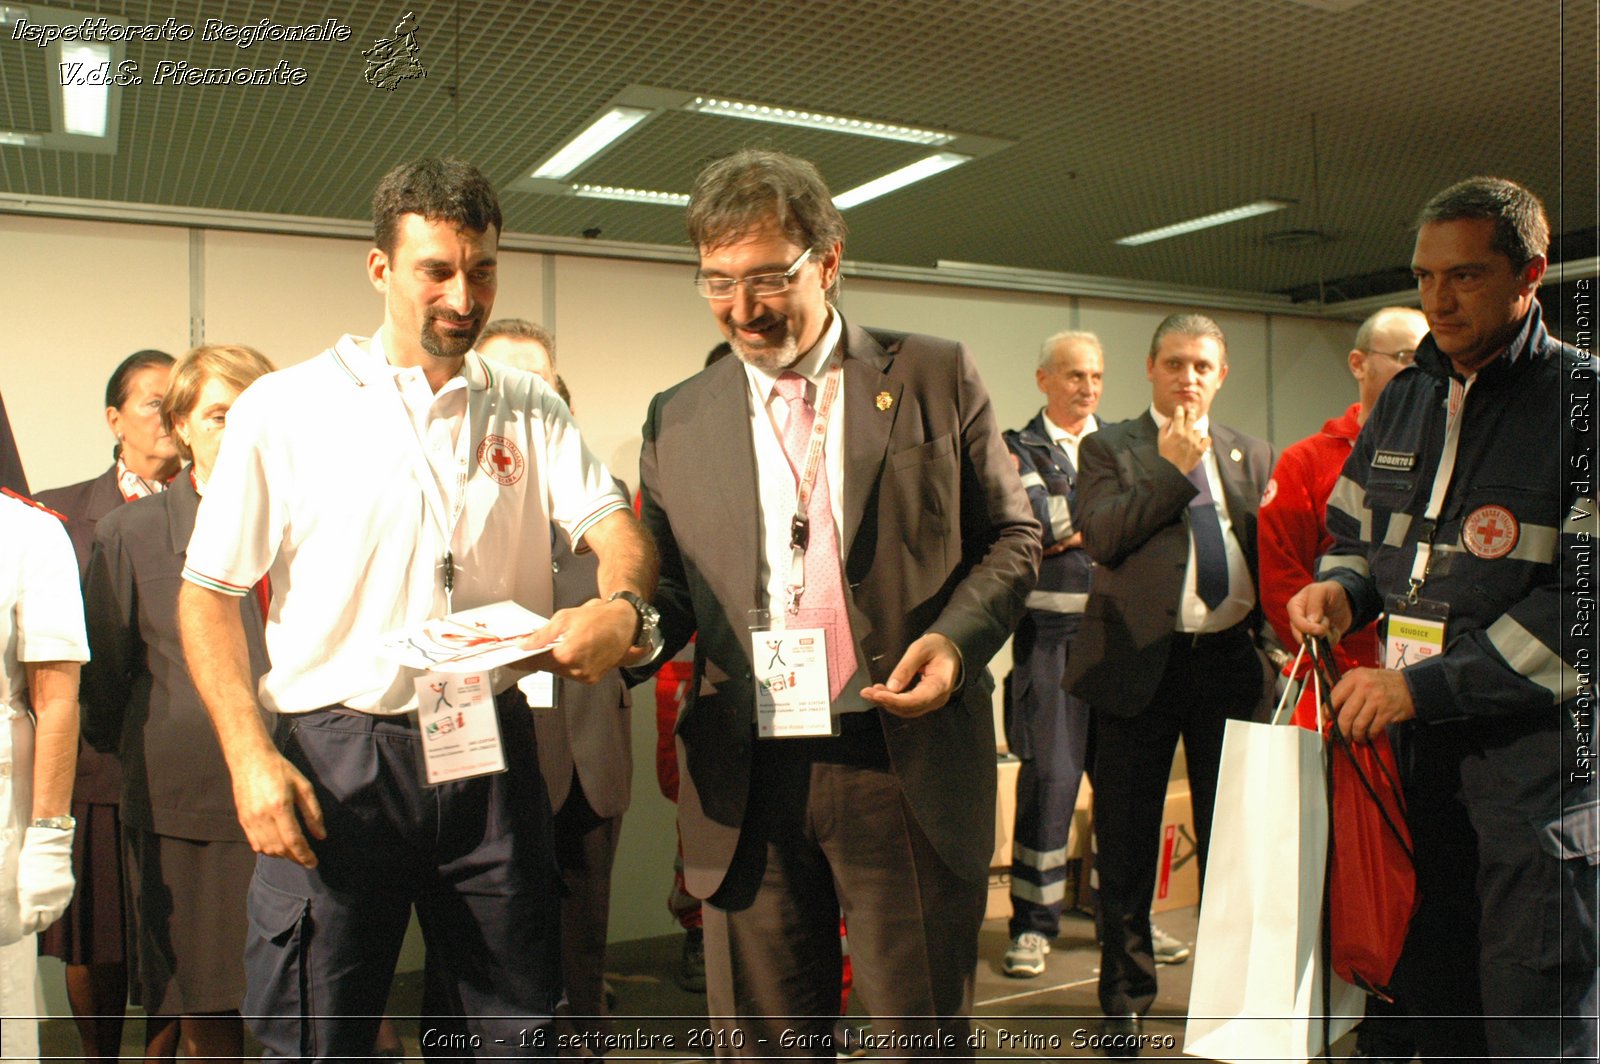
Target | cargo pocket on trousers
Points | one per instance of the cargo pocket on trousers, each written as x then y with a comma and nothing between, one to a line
1573,834
278,998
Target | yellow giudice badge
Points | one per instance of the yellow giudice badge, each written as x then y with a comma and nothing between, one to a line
884,401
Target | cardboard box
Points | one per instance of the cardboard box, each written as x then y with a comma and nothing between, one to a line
999,904
1177,862
1178,868
1005,810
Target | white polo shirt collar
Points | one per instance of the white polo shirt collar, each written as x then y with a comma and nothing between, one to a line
366,360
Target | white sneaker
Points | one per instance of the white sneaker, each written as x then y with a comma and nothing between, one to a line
1025,958
1168,949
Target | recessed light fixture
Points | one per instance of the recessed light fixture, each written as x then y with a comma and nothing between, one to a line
920,170
790,116
1235,214
86,95
631,195
12,139
594,139
635,105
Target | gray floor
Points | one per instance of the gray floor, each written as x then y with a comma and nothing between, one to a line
1051,1017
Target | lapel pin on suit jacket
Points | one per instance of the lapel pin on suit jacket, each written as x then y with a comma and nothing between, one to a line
1236,454
883,401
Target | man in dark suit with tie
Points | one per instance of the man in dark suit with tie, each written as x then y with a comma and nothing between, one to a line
854,483
1167,507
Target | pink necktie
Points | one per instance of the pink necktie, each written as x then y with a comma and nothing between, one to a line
824,588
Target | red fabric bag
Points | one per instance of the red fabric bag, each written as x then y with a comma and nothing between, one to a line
1372,883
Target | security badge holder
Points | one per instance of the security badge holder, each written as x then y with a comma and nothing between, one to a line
1413,628
790,650
456,657
460,731
791,678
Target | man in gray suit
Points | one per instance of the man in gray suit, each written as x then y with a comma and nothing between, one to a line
1167,506
910,561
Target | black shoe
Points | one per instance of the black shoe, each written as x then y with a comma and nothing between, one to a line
1121,1037
692,964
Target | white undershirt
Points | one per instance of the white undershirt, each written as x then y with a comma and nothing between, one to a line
1068,441
1192,613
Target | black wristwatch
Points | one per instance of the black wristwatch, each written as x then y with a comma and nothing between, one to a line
648,617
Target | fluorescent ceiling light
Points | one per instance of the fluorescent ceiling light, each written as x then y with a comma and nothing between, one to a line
592,141
631,195
920,170
1237,214
13,139
788,116
85,107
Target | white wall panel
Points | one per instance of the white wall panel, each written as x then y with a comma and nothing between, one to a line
1311,379
288,297
1002,330
81,296
625,331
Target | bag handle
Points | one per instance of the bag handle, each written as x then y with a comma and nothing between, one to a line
1286,704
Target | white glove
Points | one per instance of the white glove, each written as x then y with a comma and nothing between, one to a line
44,877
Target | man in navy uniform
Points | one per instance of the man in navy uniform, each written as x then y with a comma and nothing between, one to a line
1466,510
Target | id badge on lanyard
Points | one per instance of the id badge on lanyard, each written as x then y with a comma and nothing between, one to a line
789,651
791,679
1414,628
460,731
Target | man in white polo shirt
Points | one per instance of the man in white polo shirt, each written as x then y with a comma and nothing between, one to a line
385,482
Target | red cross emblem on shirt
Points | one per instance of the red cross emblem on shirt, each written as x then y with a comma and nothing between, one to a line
500,458
1489,532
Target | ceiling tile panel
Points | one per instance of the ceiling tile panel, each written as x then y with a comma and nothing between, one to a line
1125,115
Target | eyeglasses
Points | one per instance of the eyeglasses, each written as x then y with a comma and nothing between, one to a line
760,284
1405,356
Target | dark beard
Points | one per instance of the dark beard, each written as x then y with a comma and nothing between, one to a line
448,345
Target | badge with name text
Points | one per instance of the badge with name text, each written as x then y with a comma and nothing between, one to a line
1400,461
460,732
791,680
1413,631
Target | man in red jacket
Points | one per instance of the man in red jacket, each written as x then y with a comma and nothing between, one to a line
1293,530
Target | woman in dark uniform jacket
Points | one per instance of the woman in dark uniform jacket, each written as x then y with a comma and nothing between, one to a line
90,937
187,859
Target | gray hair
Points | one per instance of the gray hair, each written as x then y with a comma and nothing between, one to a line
1188,325
1047,351
1521,230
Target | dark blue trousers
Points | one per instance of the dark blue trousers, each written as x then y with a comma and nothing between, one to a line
1049,730
1500,960
473,857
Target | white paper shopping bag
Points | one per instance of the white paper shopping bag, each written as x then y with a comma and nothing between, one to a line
1257,989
